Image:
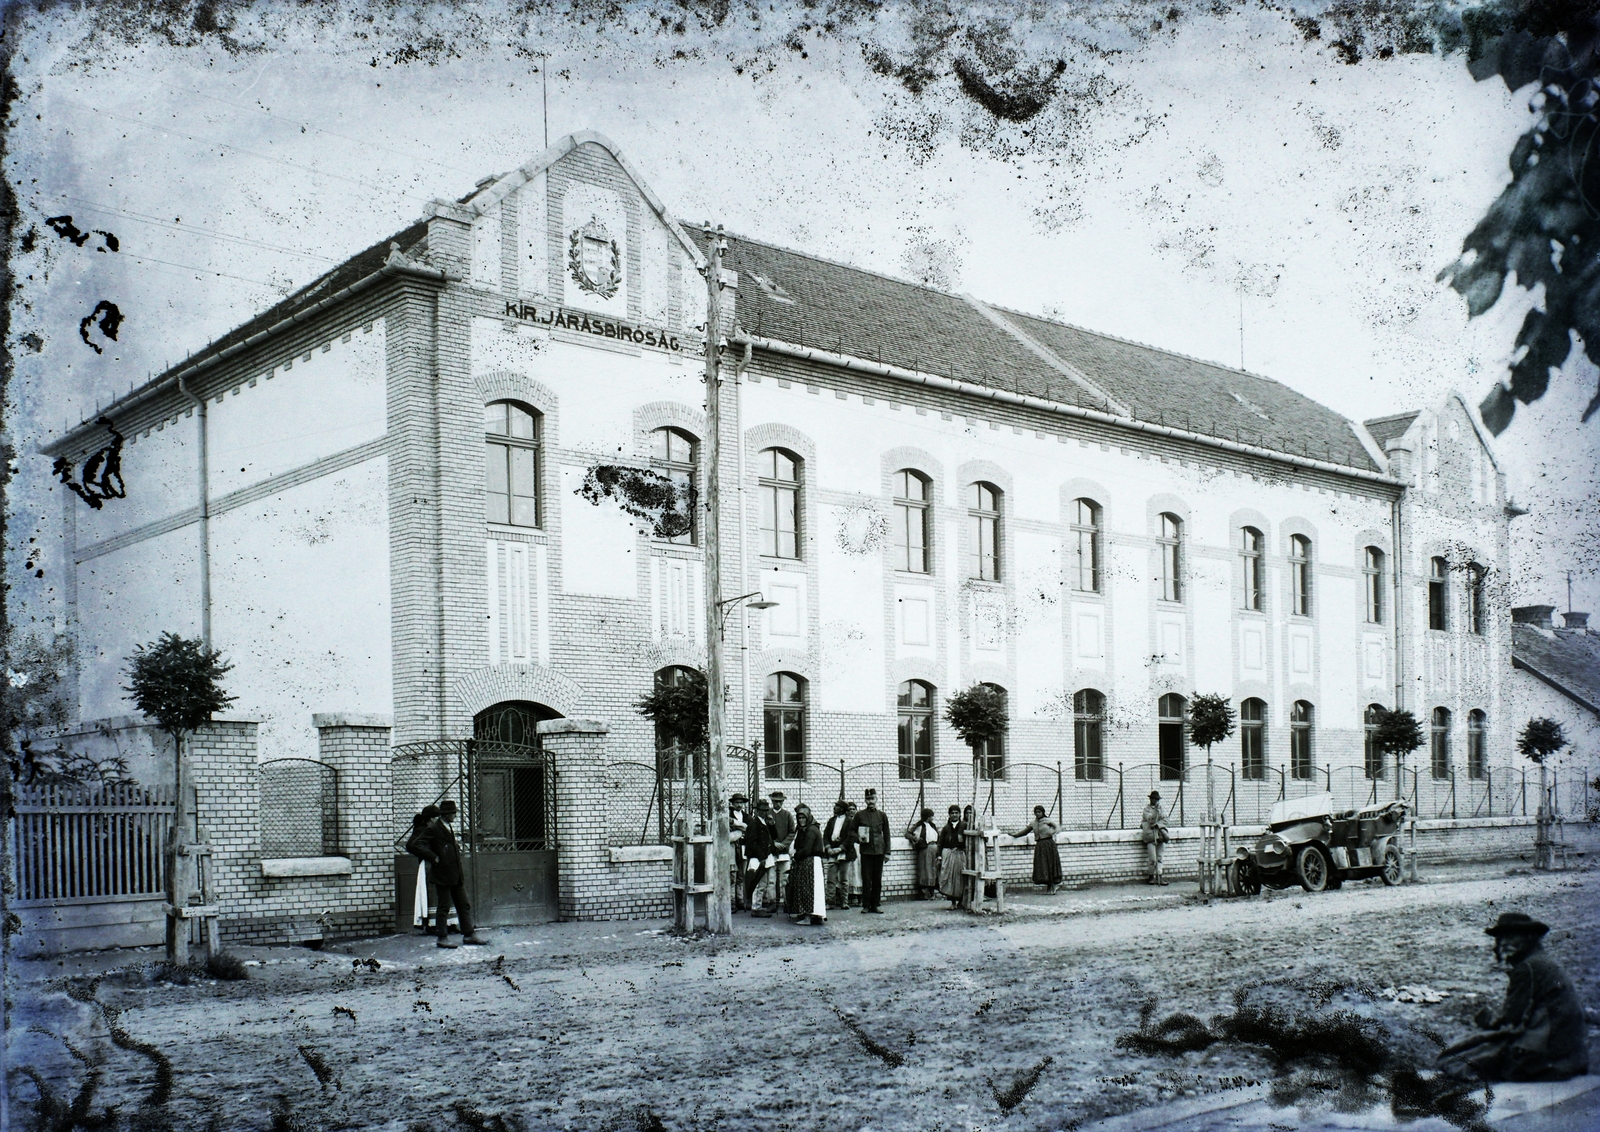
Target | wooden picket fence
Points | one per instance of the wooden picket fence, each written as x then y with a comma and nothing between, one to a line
83,844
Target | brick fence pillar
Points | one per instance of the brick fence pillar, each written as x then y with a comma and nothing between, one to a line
222,769
357,747
577,749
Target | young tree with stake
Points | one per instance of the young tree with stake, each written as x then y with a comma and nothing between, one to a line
978,715
178,683
1210,721
1540,739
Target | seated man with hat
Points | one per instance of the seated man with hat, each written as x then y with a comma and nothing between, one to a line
1539,1033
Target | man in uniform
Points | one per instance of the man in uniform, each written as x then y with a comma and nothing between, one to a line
1539,1033
872,838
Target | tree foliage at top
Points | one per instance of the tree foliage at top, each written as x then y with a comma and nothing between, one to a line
32,700
177,682
1544,228
1540,739
1210,719
978,714
1397,733
680,711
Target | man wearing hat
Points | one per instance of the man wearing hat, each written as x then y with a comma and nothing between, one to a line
872,839
437,846
783,826
1153,832
1539,1033
758,850
738,821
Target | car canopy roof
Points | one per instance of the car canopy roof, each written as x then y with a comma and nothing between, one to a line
1290,810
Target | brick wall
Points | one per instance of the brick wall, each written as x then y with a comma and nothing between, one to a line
259,909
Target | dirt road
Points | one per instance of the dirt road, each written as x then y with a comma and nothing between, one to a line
920,1018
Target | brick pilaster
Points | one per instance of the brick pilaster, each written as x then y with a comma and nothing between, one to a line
578,749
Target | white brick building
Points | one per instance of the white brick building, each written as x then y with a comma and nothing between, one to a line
935,492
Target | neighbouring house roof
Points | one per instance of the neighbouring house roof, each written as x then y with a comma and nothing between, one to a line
1385,429
1567,660
806,301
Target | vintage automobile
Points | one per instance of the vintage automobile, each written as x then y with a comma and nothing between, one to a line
1311,844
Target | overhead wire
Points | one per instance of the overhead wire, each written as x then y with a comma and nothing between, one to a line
193,230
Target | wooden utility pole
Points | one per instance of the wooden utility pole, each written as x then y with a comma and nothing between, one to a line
719,913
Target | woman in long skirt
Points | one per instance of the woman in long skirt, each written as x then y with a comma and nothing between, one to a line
924,838
806,898
1046,857
953,858
852,859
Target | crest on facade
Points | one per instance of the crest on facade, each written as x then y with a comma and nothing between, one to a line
594,259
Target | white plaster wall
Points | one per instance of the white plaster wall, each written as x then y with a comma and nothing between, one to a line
159,474
299,412
1529,698
130,597
300,591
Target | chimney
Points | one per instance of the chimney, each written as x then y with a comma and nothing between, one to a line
1536,615
1576,621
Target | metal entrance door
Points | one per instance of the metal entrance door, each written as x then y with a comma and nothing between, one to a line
509,827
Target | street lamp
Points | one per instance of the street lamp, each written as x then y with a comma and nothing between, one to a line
724,608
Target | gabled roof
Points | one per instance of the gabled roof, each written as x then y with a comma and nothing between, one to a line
807,301
1385,429
1567,661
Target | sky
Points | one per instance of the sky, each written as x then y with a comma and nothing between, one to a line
1211,180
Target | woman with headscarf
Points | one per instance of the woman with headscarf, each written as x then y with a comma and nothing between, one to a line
852,859
924,837
1046,857
806,897
1153,832
953,857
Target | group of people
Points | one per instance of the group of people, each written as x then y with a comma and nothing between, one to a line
786,859
440,880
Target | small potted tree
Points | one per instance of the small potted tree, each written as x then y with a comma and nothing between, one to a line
1540,739
177,682
1398,733
1210,721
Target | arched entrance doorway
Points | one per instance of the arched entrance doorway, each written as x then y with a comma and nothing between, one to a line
509,827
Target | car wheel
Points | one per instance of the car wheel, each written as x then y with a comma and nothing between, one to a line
1391,866
1311,867
1249,879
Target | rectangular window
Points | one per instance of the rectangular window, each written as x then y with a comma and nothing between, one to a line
511,467
1171,545
1300,764
1372,577
1376,768
1439,743
1477,757
983,521
784,728
779,486
1475,587
1252,739
1300,574
915,706
1438,593
911,522
1088,751
1250,562
1086,546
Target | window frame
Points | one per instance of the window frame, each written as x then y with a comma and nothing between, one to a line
1253,734
1302,756
980,520
1477,578
1252,547
784,767
1086,533
1169,540
1181,722
1477,744
1374,763
1088,735
773,488
915,766
912,512
1438,595
1300,575
989,761
689,468
1439,742
508,444
1372,560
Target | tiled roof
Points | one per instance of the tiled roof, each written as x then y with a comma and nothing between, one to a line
1385,429
1569,660
806,301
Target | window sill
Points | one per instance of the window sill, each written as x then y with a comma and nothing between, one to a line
774,559
1096,595
537,534
913,575
633,854
306,866
678,549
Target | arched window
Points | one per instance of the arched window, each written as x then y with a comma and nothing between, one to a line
1250,561
511,481
673,453
990,754
983,522
914,701
1439,742
779,477
1373,757
1171,541
1253,739
1372,583
1476,576
1300,574
1172,743
675,760
1300,718
1088,735
1477,755
1086,545
1438,593
911,521
784,715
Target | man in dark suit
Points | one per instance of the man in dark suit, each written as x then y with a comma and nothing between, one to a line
783,827
872,838
759,847
438,847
